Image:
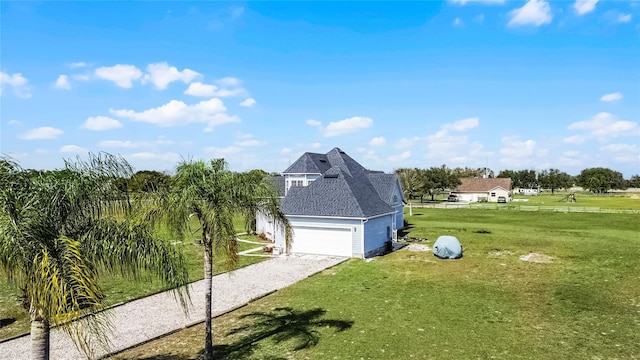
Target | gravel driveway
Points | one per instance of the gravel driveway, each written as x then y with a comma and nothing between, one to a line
149,317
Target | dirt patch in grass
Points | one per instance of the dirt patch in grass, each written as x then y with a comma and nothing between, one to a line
418,247
537,258
498,253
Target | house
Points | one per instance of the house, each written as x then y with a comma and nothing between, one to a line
483,189
336,207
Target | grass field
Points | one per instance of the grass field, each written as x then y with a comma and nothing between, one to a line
624,202
14,320
489,304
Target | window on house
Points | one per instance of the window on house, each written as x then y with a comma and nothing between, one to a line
493,194
395,198
296,183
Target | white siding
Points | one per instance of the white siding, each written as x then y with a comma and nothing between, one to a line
299,179
497,192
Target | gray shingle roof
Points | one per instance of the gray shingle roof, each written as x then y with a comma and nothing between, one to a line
384,185
345,190
309,163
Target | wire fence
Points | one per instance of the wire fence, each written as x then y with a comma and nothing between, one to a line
517,207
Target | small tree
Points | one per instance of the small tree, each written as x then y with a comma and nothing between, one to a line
213,196
600,180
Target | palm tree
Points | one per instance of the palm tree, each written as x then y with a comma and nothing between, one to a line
60,230
213,195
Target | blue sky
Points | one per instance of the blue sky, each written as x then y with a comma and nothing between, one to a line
504,84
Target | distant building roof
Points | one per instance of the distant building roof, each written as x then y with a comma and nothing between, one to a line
483,185
346,188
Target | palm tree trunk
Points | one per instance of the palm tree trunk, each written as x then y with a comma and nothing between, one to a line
208,283
39,339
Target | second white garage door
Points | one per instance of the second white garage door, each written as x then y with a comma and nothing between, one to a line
324,241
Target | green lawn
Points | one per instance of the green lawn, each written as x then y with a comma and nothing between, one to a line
489,304
14,320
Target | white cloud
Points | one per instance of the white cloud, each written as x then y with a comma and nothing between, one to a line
488,2
605,125
62,83
285,151
399,157
315,145
624,18
347,126
249,102
462,125
211,112
14,122
312,122
575,139
378,141
611,97
622,153
209,90
516,153
457,22
448,145
514,148
78,65
42,133
121,75
200,89
100,123
73,149
534,12
229,82
161,75
584,6
369,155
17,82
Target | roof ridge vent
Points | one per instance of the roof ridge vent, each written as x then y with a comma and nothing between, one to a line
331,176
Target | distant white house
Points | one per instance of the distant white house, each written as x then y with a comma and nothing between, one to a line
483,189
336,207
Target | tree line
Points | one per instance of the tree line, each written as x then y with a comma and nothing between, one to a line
419,183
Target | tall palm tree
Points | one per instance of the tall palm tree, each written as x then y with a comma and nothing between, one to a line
60,230
214,196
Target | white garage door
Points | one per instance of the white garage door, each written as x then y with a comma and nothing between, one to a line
325,241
